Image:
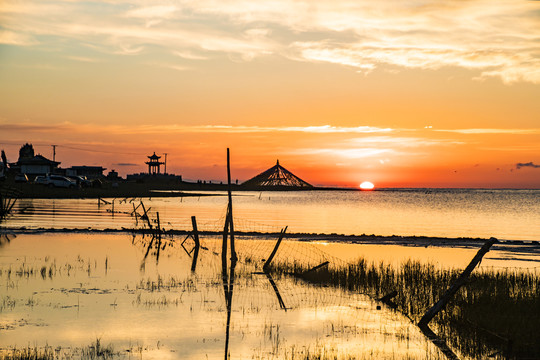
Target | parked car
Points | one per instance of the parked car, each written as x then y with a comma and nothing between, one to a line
21,178
80,180
40,180
59,181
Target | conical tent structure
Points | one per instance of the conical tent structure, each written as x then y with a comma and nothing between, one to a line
277,175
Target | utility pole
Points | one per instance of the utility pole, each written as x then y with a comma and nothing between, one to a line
165,163
54,152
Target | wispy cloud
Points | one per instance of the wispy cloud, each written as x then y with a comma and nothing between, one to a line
14,38
83,59
323,129
152,12
404,142
126,164
491,131
493,38
357,153
152,129
530,164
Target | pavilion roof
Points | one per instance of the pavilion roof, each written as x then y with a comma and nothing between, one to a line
277,175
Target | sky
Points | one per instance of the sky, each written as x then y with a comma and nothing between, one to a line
399,93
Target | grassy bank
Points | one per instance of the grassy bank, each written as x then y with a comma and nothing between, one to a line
496,312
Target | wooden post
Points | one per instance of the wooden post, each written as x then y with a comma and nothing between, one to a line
158,234
271,257
224,245
456,285
315,268
158,226
146,216
197,243
230,210
135,214
228,285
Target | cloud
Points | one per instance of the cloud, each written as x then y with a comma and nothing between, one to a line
177,128
13,38
158,11
358,153
83,59
125,164
323,129
32,127
529,164
492,38
404,142
492,131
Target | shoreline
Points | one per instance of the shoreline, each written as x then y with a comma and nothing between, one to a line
124,189
521,246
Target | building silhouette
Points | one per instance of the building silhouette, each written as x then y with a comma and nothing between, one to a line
276,176
154,164
31,164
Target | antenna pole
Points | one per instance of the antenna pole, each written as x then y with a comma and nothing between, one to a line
165,162
54,152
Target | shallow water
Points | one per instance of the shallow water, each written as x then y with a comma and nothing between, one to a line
503,214
67,290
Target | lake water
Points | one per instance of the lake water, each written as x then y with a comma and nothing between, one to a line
503,214
65,291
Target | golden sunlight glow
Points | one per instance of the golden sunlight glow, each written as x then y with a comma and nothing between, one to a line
366,185
405,95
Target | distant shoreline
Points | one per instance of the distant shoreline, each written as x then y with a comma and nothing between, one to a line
124,189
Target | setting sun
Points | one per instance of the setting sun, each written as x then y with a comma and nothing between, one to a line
366,185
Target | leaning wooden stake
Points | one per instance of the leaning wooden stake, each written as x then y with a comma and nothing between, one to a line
135,215
271,257
456,285
146,216
197,243
315,268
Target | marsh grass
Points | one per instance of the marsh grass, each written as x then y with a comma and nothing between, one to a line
94,351
495,313
28,353
320,351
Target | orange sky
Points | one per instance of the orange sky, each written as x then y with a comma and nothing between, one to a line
403,94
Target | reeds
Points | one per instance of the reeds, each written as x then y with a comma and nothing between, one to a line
496,312
8,198
93,351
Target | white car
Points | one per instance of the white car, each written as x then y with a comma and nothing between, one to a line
40,180
59,181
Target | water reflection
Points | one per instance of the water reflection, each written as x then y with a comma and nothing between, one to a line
5,238
95,288
25,206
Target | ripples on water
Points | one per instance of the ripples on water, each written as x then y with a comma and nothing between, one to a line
504,214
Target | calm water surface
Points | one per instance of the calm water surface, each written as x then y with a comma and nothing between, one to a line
102,287
504,214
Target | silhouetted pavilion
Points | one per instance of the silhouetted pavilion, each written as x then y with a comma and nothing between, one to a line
277,175
154,164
